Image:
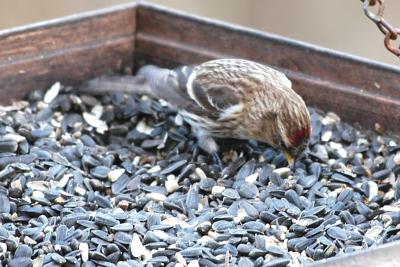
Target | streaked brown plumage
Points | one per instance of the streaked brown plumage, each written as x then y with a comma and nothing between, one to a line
232,98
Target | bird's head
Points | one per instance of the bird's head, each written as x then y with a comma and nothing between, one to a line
298,142
295,131
289,130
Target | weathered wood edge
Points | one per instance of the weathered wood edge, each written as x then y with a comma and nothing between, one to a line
70,61
68,19
384,255
142,5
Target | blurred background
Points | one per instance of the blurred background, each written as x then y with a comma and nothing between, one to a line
339,24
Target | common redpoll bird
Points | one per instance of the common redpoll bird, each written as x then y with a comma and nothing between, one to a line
231,98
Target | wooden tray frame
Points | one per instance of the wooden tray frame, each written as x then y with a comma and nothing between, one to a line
79,47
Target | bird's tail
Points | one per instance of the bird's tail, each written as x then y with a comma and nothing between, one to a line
162,82
148,79
106,84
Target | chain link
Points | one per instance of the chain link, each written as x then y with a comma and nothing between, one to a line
391,33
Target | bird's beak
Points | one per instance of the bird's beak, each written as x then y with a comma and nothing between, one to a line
290,159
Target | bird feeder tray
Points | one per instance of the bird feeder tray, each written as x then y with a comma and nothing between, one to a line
79,47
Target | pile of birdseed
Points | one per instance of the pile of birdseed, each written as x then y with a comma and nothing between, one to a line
119,180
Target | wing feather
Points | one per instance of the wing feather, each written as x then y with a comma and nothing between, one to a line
212,96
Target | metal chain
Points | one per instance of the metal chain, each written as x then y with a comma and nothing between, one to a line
391,33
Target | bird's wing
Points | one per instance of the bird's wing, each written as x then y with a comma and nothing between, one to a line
215,96
181,87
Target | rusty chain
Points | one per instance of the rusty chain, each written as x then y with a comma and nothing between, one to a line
391,33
